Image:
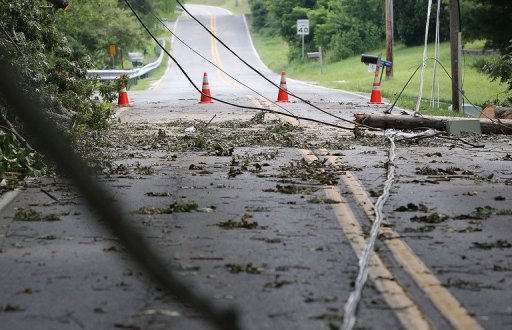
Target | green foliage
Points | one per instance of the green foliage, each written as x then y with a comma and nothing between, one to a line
489,20
90,32
342,28
357,39
160,8
350,74
410,21
410,27
500,68
350,27
17,161
48,65
259,14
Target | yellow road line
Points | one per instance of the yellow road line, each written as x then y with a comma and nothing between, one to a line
407,311
444,301
216,56
392,292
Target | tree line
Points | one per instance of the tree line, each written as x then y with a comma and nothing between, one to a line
349,27
90,26
54,48
345,28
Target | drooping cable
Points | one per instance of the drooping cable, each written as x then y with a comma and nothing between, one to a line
424,62
390,109
230,103
219,68
496,122
435,77
298,118
257,71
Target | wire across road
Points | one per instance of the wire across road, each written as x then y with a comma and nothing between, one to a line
283,260
409,312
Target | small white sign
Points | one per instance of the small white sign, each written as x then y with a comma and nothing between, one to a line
372,68
303,26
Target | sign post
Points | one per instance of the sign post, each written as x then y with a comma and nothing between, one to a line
303,30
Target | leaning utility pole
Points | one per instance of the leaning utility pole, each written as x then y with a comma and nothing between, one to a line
456,55
389,36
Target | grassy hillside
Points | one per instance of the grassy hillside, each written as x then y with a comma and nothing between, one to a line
352,75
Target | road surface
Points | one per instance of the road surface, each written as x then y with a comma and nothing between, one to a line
269,216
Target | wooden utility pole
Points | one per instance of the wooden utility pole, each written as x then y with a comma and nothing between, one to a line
456,55
487,126
389,36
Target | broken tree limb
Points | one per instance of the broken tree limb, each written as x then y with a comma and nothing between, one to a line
487,126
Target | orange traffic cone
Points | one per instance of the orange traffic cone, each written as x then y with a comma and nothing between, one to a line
122,101
205,96
283,91
376,98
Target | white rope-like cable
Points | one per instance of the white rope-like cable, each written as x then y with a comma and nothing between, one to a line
438,44
424,57
435,78
349,318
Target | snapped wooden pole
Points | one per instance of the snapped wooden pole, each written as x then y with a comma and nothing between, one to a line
487,126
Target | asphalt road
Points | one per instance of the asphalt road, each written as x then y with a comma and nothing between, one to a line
261,215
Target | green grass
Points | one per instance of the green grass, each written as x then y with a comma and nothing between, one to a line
477,44
272,51
352,75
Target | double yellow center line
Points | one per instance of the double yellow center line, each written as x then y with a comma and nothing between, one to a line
216,56
409,312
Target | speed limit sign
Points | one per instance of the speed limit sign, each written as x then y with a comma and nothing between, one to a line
303,26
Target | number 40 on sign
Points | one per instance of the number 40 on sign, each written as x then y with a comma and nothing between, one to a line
303,27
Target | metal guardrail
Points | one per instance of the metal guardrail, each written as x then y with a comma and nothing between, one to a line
134,74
